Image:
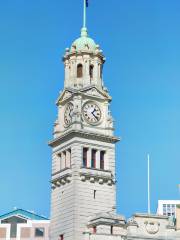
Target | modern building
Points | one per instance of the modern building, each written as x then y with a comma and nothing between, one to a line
83,197
167,207
21,224
178,217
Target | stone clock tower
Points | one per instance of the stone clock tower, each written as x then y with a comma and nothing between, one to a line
83,148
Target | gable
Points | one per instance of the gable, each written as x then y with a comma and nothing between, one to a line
66,94
14,219
95,92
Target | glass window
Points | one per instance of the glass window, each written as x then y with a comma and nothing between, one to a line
79,71
39,232
94,194
93,160
102,154
65,163
59,159
111,229
69,158
91,68
61,237
85,151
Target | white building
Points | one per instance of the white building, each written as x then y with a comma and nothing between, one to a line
83,197
20,224
167,207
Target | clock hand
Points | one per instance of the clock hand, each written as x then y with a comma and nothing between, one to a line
95,116
94,111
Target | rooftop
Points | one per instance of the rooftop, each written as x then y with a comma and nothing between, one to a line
23,213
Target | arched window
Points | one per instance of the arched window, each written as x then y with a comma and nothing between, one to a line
79,70
91,68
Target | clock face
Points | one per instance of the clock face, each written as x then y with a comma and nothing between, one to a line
68,114
92,113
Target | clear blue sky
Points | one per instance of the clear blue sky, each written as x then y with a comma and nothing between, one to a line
141,42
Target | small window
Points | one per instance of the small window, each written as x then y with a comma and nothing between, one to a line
79,71
91,68
65,163
94,194
59,159
94,230
39,232
85,153
102,154
111,230
93,160
61,237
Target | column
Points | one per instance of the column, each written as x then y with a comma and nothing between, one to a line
63,160
86,80
66,83
99,75
68,158
73,73
59,159
106,161
96,72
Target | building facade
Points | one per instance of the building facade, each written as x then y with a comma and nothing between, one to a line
167,207
83,197
20,224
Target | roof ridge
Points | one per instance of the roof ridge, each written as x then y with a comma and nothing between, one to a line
21,211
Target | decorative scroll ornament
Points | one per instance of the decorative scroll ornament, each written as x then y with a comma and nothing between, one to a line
152,227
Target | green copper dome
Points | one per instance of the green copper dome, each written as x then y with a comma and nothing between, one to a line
84,43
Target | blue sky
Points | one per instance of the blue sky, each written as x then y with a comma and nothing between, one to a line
141,42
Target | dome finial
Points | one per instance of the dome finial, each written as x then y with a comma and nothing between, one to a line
84,32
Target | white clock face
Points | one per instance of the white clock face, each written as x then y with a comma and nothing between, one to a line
92,113
68,114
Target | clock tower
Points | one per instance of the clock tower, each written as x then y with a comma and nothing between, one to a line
83,148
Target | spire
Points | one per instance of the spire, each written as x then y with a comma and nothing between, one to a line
84,13
84,32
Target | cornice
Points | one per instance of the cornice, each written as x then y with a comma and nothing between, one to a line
84,53
97,175
86,135
149,216
61,178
